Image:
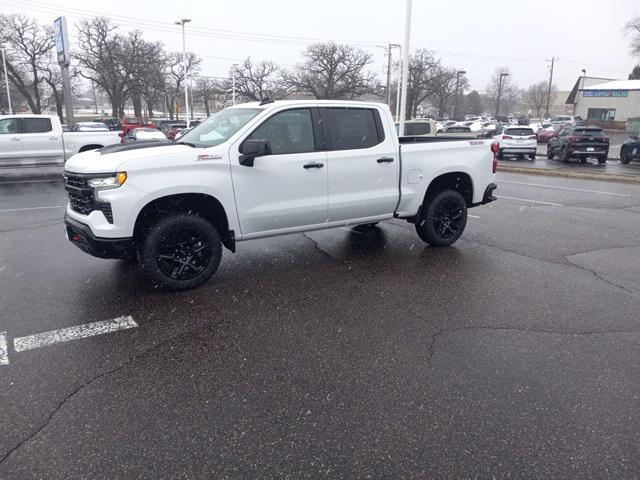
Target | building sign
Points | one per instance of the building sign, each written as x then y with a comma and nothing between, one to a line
62,41
605,93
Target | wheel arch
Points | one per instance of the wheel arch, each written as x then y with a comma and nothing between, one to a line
93,146
459,181
202,204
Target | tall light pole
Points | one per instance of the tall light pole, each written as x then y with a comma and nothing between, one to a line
6,80
233,83
502,75
184,65
399,81
460,72
405,67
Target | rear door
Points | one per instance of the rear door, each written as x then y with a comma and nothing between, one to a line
288,188
363,164
40,142
11,150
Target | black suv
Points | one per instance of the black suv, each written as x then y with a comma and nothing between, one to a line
580,142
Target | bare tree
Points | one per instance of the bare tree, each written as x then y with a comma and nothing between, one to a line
503,88
333,71
256,81
445,90
421,80
177,74
206,89
30,44
535,97
632,29
635,73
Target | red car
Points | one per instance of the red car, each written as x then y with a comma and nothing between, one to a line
545,135
129,123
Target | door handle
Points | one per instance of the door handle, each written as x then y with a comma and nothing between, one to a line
385,160
313,165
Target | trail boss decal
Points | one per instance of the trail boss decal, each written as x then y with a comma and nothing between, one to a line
215,156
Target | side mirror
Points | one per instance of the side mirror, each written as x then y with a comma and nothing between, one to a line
251,149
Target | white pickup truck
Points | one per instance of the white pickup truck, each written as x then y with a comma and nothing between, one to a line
38,139
264,169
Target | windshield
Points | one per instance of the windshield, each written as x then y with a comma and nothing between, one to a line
589,132
519,132
220,127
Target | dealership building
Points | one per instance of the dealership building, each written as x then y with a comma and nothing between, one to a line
610,102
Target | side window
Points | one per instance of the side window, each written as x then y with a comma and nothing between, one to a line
290,131
8,126
36,125
351,128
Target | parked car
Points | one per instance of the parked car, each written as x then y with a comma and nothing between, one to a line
630,149
129,123
89,127
171,129
458,130
444,124
424,128
111,123
143,134
546,134
565,120
516,140
581,142
262,169
488,129
40,139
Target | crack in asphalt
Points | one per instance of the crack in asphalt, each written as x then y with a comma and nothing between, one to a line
442,331
82,386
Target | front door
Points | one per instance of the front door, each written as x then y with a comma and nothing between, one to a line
10,142
287,188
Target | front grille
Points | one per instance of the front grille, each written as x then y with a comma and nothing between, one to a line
81,197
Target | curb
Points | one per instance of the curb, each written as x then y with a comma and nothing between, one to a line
570,174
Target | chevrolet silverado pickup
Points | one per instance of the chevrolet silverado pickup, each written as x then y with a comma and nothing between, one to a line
31,139
263,169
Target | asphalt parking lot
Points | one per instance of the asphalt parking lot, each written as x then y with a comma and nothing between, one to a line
337,354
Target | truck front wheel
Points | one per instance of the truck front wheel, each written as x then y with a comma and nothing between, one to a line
443,219
180,251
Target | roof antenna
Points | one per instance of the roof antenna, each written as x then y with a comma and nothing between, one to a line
266,100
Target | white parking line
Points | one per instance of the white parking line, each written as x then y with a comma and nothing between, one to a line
530,201
39,340
566,188
472,216
32,208
4,356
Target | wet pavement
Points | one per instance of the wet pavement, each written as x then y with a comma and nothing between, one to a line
337,354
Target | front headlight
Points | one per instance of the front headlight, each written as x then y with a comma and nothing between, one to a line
108,182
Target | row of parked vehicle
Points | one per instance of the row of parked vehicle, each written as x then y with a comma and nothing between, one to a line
133,129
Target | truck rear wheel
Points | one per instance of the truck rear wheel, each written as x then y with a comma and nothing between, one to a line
443,219
180,251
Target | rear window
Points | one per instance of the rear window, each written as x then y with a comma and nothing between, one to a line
36,125
589,132
417,128
458,130
519,132
350,128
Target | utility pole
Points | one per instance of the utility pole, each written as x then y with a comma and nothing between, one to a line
399,81
182,22
405,67
502,75
553,59
6,80
389,75
460,72
63,51
95,99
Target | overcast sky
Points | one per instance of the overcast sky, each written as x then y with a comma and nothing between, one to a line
476,36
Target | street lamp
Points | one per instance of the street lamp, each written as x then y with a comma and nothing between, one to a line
6,80
460,72
184,62
502,75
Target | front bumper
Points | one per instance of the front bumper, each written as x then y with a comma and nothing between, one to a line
82,237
